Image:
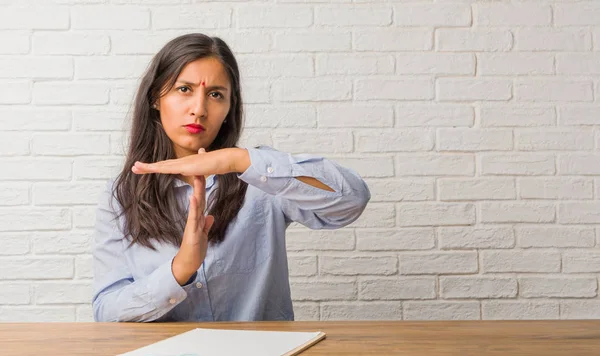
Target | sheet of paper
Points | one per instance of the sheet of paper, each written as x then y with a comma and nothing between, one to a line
216,342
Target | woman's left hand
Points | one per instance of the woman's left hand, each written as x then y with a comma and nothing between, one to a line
221,161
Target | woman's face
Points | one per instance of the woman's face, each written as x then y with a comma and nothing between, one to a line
193,111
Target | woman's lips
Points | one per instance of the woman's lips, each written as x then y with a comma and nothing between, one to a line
194,129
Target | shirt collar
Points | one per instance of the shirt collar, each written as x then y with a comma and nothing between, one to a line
210,181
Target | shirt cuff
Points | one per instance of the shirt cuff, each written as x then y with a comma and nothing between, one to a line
269,170
164,289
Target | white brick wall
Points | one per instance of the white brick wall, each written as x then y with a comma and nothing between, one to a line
476,125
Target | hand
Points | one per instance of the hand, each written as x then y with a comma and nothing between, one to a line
193,248
221,161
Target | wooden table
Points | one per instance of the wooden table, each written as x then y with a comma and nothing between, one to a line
547,338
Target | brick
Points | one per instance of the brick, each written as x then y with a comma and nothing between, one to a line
37,314
358,265
579,213
515,63
103,17
579,309
519,310
255,65
354,115
122,42
245,41
353,15
14,42
579,115
92,120
306,311
63,242
441,310
435,63
561,237
582,14
14,144
84,313
268,116
34,18
274,16
84,216
478,40
579,164
435,165
399,239
438,262
116,67
516,212
434,115
474,140
552,39
376,215
35,169
320,142
15,294
578,63
14,244
97,168
558,287
72,93
120,142
357,64
254,138
401,190
397,288
511,116
575,261
441,15
255,91
12,194
316,89
84,267
122,93
509,15
368,167
63,293
475,237
478,287
395,39
83,44
386,140
323,289
302,265
553,90
46,119
556,188
461,89
563,140
520,261
476,189
394,89
67,193
15,92
313,41
321,240
361,311
37,268
426,214
518,164
70,144
31,219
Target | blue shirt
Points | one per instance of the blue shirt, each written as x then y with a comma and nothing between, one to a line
244,278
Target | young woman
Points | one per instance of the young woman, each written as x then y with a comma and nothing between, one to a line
157,255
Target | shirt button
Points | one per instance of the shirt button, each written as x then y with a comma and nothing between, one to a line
198,285
270,169
263,179
172,301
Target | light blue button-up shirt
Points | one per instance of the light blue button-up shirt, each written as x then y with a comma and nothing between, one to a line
244,278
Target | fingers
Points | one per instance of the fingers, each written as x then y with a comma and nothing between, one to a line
192,221
168,167
201,150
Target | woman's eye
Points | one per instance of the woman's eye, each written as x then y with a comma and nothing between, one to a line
216,94
183,89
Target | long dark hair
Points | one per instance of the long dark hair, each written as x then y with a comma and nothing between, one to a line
148,201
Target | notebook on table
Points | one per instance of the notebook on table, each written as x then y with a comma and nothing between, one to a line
219,342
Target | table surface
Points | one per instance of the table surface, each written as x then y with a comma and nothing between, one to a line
554,337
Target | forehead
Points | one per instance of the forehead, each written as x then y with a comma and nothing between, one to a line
209,70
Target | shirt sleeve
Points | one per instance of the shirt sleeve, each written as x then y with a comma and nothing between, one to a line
275,173
117,295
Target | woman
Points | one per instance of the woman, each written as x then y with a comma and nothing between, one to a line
157,256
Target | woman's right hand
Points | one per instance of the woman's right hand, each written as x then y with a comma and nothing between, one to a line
195,236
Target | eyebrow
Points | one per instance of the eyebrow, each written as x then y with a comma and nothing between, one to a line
218,87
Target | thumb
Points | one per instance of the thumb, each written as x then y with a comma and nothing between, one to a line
208,223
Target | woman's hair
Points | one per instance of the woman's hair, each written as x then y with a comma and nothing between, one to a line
149,204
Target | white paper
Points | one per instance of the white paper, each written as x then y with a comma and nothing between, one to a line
217,342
